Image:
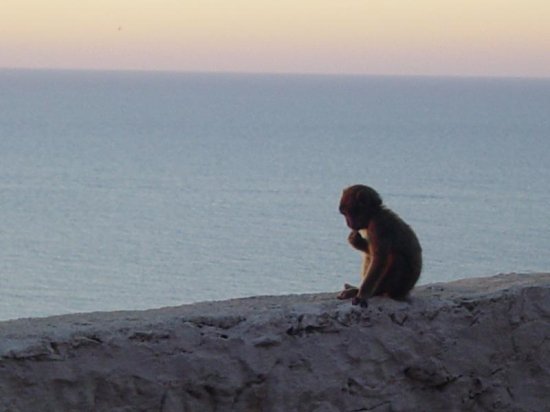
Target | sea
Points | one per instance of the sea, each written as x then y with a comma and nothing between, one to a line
138,190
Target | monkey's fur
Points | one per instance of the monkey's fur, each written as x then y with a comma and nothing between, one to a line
392,256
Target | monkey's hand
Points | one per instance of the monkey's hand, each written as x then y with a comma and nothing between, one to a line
348,292
357,241
357,300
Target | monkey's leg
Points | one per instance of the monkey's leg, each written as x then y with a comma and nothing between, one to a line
372,282
359,242
365,268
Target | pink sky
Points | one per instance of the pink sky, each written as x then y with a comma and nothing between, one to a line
394,37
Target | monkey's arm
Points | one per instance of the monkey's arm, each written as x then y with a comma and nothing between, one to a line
358,242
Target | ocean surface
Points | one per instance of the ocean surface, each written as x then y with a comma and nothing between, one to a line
129,190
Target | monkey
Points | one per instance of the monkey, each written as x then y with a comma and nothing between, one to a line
392,255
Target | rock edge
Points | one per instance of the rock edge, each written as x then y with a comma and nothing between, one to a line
474,344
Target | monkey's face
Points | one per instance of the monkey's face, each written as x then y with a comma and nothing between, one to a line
357,204
355,219
353,211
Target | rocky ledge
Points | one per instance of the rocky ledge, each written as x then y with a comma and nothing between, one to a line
475,344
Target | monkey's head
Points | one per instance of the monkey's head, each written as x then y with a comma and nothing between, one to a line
358,204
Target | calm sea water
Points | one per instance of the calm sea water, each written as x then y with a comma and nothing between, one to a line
140,190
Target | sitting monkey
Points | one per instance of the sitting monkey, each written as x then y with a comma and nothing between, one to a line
392,258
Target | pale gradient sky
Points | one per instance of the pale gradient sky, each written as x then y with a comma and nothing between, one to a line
392,37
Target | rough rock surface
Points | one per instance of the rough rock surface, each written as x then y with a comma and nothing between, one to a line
471,345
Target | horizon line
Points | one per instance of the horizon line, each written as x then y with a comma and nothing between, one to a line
275,73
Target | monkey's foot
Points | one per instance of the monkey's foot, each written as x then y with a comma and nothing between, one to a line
360,301
348,292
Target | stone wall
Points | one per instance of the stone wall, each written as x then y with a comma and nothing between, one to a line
475,344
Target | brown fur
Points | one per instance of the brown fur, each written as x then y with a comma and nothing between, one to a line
392,259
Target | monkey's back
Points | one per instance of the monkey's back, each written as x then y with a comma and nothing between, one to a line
402,239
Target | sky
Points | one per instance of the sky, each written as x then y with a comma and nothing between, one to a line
387,37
